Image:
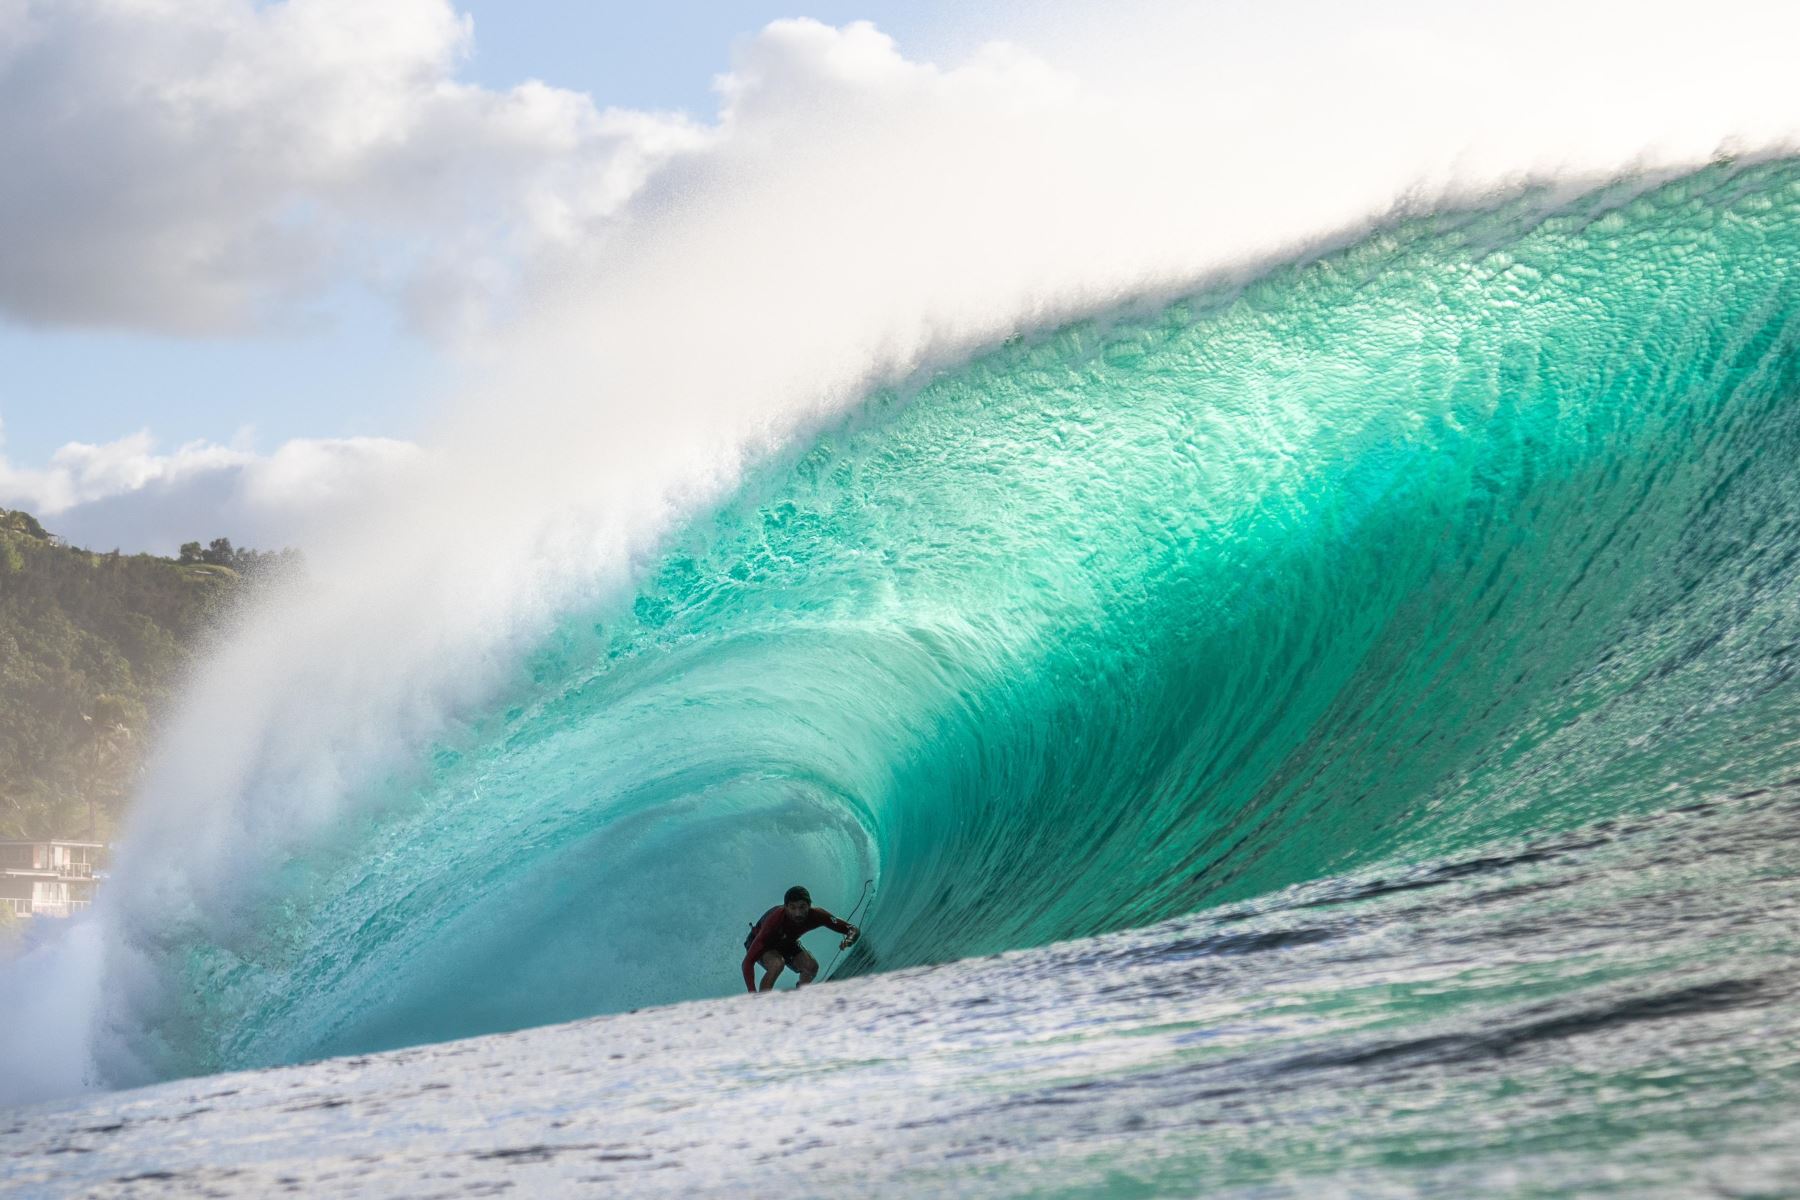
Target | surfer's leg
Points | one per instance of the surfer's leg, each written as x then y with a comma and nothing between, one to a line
807,965
772,962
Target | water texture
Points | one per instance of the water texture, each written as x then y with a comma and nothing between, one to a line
1480,532
1610,1011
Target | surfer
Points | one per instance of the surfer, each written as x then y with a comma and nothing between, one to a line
774,939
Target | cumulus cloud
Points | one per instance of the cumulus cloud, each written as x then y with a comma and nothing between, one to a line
193,166
199,166
129,495
852,214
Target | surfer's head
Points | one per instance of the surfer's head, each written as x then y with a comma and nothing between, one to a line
798,901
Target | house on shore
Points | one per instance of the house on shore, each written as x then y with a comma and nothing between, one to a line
48,878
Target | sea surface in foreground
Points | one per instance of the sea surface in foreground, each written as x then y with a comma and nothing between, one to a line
1606,1011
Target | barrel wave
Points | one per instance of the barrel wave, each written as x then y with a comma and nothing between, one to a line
1484,526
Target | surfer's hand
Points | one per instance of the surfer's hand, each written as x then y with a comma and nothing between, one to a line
850,938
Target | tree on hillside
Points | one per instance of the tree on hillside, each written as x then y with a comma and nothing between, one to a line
92,647
221,553
14,521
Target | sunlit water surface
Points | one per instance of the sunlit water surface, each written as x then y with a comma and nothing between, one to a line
1606,1012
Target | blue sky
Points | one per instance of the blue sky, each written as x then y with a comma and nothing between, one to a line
347,366
665,55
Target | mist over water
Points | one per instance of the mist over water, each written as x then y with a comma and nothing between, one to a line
1056,506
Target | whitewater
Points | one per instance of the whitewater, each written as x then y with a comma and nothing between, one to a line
1313,695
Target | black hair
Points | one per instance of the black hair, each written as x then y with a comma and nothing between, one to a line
797,893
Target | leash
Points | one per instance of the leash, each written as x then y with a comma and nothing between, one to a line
867,895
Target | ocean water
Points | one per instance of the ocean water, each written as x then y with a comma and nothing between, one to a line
1607,1011
1356,706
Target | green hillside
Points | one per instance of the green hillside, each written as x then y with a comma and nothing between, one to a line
92,647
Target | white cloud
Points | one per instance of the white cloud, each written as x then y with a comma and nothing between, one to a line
127,494
191,166
198,166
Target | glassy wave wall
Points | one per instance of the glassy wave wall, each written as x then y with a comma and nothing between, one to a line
1485,526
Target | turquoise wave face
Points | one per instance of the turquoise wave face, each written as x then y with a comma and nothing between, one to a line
1482,528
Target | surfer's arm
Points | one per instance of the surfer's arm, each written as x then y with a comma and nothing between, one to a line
837,924
758,946
749,965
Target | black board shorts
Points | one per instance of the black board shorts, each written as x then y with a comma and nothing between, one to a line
787,950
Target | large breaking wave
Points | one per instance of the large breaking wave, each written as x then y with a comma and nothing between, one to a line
1484,525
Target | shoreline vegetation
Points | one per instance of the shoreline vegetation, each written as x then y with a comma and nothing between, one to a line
93,647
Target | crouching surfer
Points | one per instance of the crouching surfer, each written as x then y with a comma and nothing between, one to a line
774,939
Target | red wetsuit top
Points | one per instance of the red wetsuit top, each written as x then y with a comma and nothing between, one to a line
778,931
